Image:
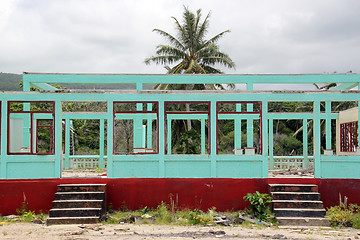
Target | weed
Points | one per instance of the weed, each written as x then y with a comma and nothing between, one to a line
259,204
110,208
110,220
146,209
124,207
23,209
28,216
164,216
355,221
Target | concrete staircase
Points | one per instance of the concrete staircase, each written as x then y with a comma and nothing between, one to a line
78,204
298,205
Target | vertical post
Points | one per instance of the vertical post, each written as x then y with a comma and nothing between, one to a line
110,138
250,122
67,144
264,132
271,144
58,139
138,124
149,128
161,139
202,136
213,144
317,139
27,118
358,126
237,128
168,137
4,140
305,144
101,147
328,124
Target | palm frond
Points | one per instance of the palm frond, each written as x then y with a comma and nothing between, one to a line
171,38
227,62
169,50
165,59
216,38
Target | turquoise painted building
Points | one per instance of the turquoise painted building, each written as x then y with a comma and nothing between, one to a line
137,126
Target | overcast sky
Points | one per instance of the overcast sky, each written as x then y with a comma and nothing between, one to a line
115,36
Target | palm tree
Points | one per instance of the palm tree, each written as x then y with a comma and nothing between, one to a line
190,51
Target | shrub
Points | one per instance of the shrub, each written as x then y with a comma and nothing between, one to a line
342,215
355,221
259,204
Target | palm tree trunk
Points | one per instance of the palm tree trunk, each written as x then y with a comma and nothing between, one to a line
188,121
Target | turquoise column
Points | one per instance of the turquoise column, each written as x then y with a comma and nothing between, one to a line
110,138
168,136
271,144
237,128
161,139
213,143
101,147
67,144
27,118
3,157
250,122
358,140
305,144
138,132
149,128
203,136
328,124
317,140
265,130
58,139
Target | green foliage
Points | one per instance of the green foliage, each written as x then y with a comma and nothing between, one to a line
28,216
355,221
342,215
189,142
259,204
164,216
23,209
198,217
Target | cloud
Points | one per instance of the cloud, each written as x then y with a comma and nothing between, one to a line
280,36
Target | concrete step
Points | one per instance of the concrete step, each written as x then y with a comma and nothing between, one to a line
81,188
293,188
72,220
75,212
78,204
295,196
297,204
303,221
79,195
299,212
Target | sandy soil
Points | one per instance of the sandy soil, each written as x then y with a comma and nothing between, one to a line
20,231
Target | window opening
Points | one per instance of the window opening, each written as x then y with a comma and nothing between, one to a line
136,128
187,127
31,127
239,127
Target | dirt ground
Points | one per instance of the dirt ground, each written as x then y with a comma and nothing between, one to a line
22,231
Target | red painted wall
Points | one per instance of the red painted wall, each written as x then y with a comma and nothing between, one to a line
202,193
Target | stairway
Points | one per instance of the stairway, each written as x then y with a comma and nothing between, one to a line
78,204
298,205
